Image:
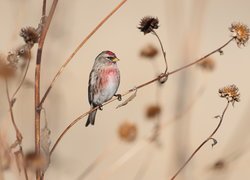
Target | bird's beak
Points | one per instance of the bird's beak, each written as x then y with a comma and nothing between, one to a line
115,59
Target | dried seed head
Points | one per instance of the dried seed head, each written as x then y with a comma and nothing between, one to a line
148,24
30,35
152,111
34,161
208,64
231,93
149,51
6,69
127,131
240,32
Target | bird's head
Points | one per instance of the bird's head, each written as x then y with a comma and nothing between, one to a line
107,57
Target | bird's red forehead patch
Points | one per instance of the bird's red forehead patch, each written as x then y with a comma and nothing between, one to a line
110,53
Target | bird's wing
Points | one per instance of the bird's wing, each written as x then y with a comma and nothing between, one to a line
91,87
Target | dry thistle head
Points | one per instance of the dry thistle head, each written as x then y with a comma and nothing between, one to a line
240,32
30,35
231,93
148,24
149,51
208,64
127,131
152,111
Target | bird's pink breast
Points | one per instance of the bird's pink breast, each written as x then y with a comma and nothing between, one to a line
109,74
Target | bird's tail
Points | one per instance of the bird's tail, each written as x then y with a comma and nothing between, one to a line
91,118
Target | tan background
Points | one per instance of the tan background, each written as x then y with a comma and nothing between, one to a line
189,29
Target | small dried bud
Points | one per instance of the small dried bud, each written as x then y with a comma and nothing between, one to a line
240,32
6,69
30,35
152,111
218,165
148,24
208,64
231,93
34,162
149,51
127,131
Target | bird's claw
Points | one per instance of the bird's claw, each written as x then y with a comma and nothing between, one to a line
100,107
119,97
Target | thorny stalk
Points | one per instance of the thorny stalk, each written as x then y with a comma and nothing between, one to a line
136,88
18,133
204,142
37,76
78,48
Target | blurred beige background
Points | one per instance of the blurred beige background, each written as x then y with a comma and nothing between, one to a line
189,29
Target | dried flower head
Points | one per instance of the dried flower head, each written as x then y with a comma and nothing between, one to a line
6,69
208,64
127,131
149,51
30,35
231,93
240,32
152,111
148,24
34,162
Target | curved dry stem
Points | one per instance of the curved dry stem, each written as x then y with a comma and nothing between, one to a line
136,88
77,49
163,51
22,81
203,143
19,136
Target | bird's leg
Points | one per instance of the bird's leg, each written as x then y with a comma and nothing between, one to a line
100,107
119,96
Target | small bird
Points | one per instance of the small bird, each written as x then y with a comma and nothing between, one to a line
104,80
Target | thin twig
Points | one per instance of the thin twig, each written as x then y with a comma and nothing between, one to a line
203,143
132,90
37,77
163,51
19,136
22,81
108,150
78,48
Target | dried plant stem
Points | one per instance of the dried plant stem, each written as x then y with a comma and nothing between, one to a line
144,166
19,136
124,158
37,77
22,81
134,89
78,48
91,166
204,142
163,51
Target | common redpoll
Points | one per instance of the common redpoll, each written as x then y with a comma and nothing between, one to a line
104,80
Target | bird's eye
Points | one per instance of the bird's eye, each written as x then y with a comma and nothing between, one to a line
110,58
